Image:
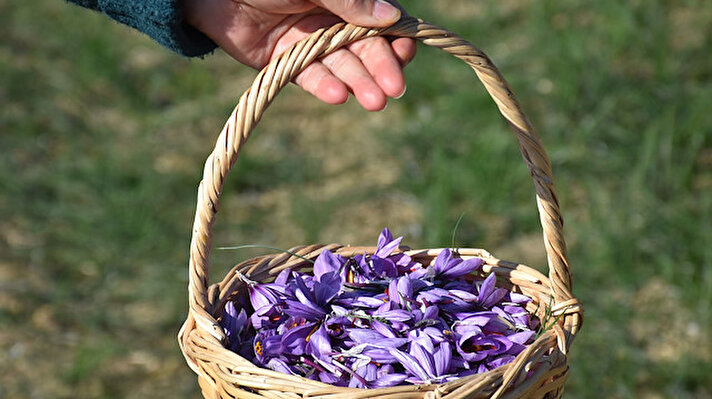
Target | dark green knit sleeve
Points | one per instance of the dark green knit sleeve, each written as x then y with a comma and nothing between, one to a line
162,20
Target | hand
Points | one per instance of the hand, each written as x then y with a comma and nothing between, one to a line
256,31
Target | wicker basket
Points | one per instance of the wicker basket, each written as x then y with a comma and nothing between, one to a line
538,372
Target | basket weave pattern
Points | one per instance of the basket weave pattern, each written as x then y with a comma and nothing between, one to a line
538,372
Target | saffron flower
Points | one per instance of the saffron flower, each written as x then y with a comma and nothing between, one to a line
379,320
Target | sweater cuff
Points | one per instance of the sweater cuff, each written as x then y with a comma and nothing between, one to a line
163,21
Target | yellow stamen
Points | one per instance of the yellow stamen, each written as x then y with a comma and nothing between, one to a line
316,327
258,348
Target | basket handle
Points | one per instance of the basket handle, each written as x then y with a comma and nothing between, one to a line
284,69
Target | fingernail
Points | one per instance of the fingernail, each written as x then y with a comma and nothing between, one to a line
402,93
385,11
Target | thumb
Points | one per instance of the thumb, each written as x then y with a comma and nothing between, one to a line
371,13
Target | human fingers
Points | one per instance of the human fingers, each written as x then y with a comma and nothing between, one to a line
338,73
404,49
372,72
373,13
320,82
348,68
280,6
378,58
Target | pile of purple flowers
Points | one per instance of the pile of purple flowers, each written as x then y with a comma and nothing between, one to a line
372,321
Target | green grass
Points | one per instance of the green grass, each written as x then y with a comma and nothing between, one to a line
103,136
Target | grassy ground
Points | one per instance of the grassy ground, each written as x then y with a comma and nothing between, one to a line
103,135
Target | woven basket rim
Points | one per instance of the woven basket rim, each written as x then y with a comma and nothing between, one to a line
265,267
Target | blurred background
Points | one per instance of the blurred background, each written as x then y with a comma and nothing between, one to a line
103,135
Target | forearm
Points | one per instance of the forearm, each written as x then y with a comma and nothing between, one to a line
162,20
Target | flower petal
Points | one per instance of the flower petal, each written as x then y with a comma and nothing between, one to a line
424,357
294,341
380,355
410,363
431,312
384,267
327,288
442,358
462,268
423,339
388,380
356,300
368,336
489,295
394,315
319,344
385,237
233,321
441,261
500,361
521,337
327,262
487,287
518,298
475,347
309,312
283,277
382,329
464,295
386,244
260,296
336,326
280,365
368,372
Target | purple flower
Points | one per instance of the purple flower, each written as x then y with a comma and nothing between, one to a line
442,358
387,378
319,344
478,321
446,266
263,298
489,295
266,346
425,367
379,320
394,315
326,288
516,317
233,321
452,304
499,361
307,310
400,291
235,325
360,300
328,262
411,364
475,347
311,303
283,277
337,326
386,244
280,365
383,329
363,374
368,336
383,267
294,341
